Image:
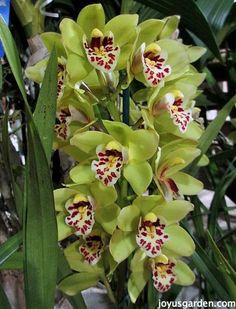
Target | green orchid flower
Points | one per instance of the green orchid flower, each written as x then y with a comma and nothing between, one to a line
151,224
121,151
171,109
92,44
166,271
171,159
91,260
79,207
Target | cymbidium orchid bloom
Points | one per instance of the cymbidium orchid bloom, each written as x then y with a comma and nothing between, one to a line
151,224
79,207
151,61
92,44
124,150
174,104
171,159
166,270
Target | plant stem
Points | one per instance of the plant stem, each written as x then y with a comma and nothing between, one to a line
109,290
126,103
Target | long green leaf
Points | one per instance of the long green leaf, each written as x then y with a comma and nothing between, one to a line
191,17
15,261
3,299
45,111
10,246
223,264
40,230
212,130
216,12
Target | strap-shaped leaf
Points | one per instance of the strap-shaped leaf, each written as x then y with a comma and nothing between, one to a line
191,17
10,246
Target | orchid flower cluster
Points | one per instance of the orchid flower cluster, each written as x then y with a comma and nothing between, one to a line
125,195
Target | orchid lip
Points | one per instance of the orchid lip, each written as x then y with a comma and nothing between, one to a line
151,237
101,51
92,249
81,216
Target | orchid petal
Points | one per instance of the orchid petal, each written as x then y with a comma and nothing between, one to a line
90,17
88,141
129,218
184,274
64,230
122,244
107,217
180,242
187,184
103,195
139,175
72,36
123,28
82,174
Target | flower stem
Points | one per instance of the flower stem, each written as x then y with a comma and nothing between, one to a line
109,290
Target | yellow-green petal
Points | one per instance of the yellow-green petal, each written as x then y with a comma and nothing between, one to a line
122,244
139,175
90,17
187,184
82,174
180,242
185,276
129,218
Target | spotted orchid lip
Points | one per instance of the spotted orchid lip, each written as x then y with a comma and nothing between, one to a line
62,131
81,216
109,165
151,237
154,68
163,275
92,249
180,116
101,51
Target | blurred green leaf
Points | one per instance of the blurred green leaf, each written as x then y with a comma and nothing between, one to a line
15,261
45,111
12,56
223,264
191,17
6,151
10,246
3,299
216,12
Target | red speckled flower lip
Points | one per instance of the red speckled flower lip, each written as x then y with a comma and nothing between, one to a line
92,249
154,67
101,51
81,214
151,235
110,162
162,273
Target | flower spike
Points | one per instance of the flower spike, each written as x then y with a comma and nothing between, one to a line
151,235
101,51
81,214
